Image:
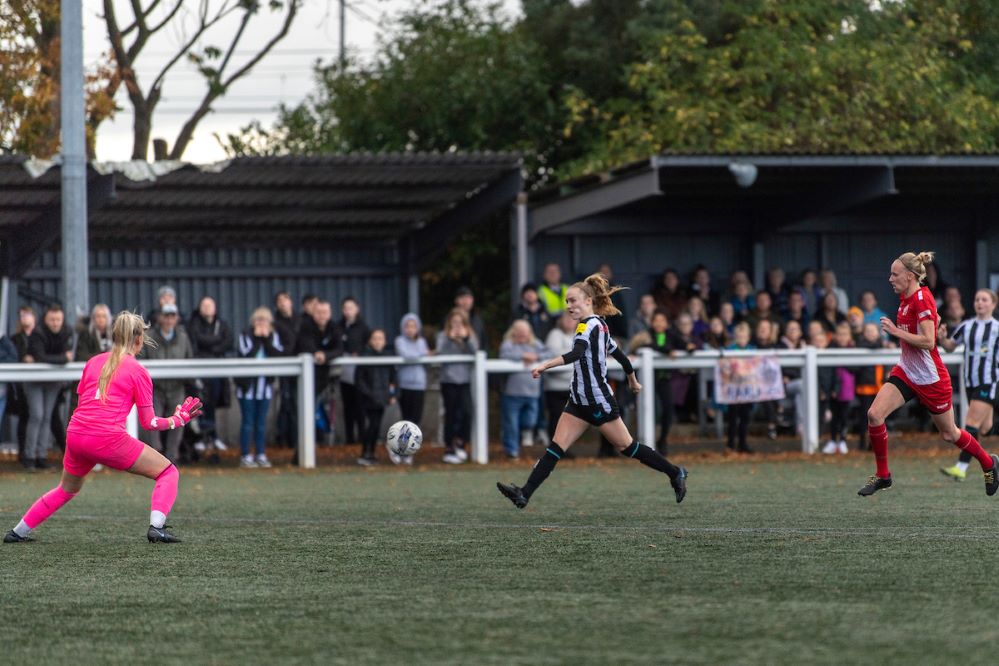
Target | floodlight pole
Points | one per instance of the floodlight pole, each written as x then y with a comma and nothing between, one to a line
75,280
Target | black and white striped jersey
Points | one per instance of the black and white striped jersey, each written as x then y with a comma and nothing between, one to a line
589,372
980,340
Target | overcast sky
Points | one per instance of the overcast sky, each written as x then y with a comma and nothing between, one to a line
285,75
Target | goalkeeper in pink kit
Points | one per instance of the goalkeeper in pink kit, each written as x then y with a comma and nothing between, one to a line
112,382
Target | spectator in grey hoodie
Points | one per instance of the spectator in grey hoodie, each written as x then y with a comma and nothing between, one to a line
412,378
456,384
521,393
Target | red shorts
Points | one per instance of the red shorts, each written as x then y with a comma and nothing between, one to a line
85,451
936,397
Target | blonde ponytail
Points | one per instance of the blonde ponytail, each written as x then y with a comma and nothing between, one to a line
600,291
916,263
127,327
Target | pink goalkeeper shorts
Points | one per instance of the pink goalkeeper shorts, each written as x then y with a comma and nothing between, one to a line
85,451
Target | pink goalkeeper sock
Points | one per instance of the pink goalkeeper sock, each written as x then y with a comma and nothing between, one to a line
165,491
46,505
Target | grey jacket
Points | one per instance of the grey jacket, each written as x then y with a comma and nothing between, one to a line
456,373
521,383
177,347
411,377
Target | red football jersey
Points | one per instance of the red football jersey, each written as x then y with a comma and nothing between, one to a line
921,366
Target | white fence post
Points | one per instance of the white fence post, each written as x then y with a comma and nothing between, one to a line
307,413
647,398
810,385
480,399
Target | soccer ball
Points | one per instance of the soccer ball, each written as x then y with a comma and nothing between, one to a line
404,438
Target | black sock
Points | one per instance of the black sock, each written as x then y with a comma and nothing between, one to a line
651,458
546,463
965,457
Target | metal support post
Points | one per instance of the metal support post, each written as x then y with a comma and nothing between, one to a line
307,413
647,398
480,400
810,385
75,281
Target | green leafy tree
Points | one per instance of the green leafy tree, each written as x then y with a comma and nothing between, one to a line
797,75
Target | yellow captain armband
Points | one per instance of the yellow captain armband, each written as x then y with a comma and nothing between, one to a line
581,328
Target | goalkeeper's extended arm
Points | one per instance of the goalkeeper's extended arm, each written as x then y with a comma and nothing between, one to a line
180,418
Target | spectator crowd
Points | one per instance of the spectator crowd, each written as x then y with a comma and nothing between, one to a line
677,314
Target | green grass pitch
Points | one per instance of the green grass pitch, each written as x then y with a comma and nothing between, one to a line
773,561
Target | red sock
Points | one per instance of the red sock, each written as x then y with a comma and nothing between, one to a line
879,444
968,443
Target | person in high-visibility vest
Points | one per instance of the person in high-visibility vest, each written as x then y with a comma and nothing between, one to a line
552,290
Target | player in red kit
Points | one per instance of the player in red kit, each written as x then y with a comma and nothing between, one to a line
920,374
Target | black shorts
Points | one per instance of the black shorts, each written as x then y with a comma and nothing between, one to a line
593,414
983,393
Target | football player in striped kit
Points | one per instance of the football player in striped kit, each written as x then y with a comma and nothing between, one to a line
980,337
591,400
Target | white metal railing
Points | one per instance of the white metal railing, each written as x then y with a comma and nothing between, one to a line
646,363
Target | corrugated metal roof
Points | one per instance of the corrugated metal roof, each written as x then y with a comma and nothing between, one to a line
261,199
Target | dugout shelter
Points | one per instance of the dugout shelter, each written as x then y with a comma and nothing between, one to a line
851,213
362,224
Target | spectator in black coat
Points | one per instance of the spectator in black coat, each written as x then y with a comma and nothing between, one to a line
8,354
211,337
18,400
320,337
286,324
530,309
354,333
376,386
52,342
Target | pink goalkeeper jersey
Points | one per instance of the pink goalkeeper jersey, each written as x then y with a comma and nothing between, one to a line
130,385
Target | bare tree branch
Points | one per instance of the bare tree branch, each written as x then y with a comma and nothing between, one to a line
187,131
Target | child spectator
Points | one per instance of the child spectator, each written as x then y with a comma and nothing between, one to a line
764,333
843,393
717,337
255,393
826,375
869,379
412,378
355,335
456,384
663,340
796,309
738,414
699,317
855,318
869,304
376,391
521,393
727,314
793,339
742,299
764,312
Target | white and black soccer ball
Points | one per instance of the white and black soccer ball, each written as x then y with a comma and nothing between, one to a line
404,438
